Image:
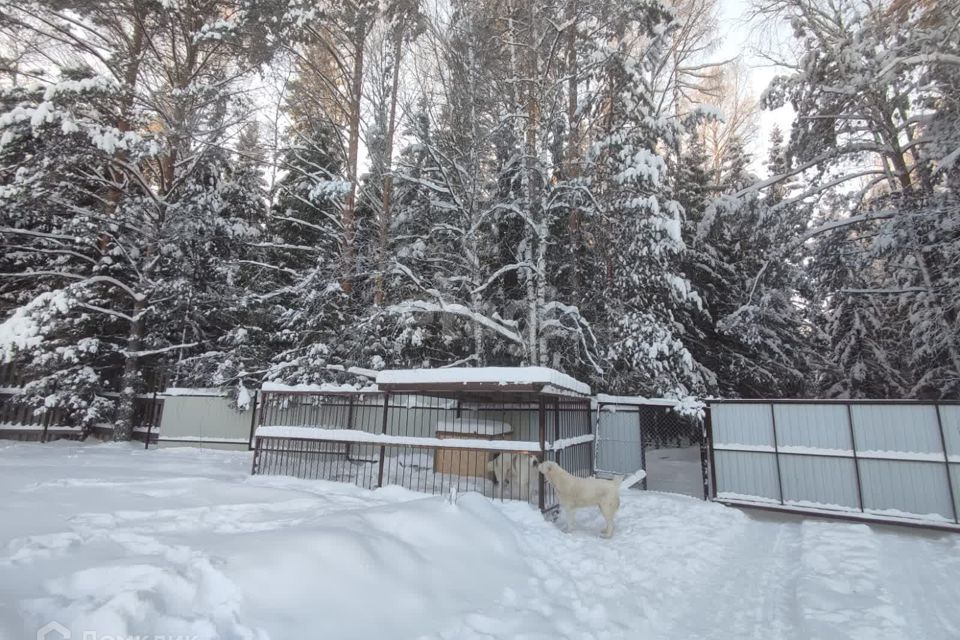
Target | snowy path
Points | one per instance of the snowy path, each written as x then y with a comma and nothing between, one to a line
114,540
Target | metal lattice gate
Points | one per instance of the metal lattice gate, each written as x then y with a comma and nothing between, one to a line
654,437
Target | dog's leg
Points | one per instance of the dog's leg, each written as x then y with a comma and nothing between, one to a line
609,510
569,514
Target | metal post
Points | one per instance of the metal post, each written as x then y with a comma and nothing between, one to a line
349,424
153,415
383,430
542,417
593,449
856,460
704,453
713,461
46,425
253,419
946,464
556,425
256,456
776,450
643,446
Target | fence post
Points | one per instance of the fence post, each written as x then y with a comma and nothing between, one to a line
643,446
46,425
706,457
776,449
383,430
256,456
542,418
713,455
593,443
350,403
556,425
253,419
856,460
153,417
946,464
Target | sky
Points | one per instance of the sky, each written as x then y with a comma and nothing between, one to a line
741,39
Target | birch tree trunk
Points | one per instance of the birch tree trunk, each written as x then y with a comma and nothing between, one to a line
348,251
387,193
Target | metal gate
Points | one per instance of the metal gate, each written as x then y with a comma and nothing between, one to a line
644,433
877,460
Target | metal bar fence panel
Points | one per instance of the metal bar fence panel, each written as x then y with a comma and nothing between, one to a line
414,440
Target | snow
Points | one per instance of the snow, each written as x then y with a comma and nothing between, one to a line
243,398
185,542
759,448
23,330
564,443
330,434
326,387
211,392
611,401
473,425
827,509
490,375
199,439
867,454
349,435
675,470
687,405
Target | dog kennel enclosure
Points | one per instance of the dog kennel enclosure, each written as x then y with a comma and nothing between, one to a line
432,430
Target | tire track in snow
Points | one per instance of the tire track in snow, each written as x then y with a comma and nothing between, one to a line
635,585
841,592
751,592
907,576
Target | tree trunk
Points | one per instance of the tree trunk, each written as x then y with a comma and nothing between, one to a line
353,144
126,406
573,150
379,294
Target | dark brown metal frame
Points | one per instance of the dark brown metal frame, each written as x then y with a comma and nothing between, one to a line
253,419
946,465
847,516
825,512
707,463
840,401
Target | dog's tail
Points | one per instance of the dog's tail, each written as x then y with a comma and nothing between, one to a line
625,482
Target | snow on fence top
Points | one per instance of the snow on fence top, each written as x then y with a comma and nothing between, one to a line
507,378
603,398
329,434
211,392
688,405
326,387
474,426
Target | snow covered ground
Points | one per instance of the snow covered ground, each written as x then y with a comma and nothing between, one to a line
675,470
111,540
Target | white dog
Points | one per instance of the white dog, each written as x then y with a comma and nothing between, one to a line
574,493
514,469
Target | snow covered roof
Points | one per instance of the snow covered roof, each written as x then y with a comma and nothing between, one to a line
485,379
